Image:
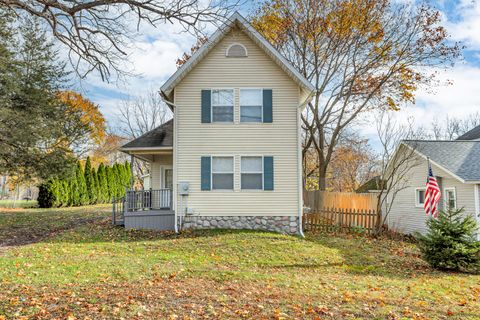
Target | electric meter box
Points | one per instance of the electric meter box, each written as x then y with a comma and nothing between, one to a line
183,188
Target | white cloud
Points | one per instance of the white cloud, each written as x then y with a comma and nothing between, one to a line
156,59
151,57
466,24
458,100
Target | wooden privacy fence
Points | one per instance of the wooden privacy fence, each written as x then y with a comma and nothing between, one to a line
340,220
317,200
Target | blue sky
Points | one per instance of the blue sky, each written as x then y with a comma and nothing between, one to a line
155,50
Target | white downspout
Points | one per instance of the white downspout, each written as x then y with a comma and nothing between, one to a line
299,162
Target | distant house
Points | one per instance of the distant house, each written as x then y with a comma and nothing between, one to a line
473,134
231,155
456,165
11,190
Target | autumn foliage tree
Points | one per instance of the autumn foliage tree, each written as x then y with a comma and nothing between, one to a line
200,42
89,115
353,163
359,54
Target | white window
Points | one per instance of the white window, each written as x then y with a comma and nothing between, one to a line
222,173
222,105
251,105
419,197
450,197
252,173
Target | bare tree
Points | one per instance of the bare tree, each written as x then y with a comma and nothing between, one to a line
398,158
360,55
450,128
97,32
138,116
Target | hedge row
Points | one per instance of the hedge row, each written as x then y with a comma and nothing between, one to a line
86,186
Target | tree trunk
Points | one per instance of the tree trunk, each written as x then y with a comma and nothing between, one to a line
322,176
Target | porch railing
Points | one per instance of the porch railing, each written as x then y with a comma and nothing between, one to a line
118,207
139,200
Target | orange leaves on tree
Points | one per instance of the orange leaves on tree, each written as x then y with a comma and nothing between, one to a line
354,17
200,42
106,149
90,114
271,23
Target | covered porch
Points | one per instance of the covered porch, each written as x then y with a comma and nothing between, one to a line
150,207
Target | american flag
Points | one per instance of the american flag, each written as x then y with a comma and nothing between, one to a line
432,194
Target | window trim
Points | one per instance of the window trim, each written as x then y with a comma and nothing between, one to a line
240,105
417,203
233,44
252,172
232,173
212,106
445,200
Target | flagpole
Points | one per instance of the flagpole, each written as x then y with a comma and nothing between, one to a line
428,168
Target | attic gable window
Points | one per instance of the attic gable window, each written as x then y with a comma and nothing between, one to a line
236,50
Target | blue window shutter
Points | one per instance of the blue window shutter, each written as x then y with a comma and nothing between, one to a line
267,173
267,106
206,106
206,173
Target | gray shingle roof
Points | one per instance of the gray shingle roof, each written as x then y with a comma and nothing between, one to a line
473,134
161,136
461,158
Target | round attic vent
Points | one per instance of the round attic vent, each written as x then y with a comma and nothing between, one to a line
236,50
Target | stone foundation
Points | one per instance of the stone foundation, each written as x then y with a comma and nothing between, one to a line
287,225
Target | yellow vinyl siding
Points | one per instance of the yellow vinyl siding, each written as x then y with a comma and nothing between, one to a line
156,169
277,139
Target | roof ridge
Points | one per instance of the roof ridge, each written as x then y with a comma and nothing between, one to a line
218,35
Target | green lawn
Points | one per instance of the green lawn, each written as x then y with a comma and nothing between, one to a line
71,263
18,203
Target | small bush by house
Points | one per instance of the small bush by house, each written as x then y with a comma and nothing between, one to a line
451,242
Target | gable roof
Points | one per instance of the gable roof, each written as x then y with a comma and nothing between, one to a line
459,158
473,134
235,20
160,137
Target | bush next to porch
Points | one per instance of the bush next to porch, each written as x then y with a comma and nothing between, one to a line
85,186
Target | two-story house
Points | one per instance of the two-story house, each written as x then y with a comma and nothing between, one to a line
231,156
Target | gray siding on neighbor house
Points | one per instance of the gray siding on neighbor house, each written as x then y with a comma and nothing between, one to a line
406,218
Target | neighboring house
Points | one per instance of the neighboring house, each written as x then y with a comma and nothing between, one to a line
10,190
231,156
456,165
372,185
473,134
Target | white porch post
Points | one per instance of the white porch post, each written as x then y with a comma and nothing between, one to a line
477,205
132,159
